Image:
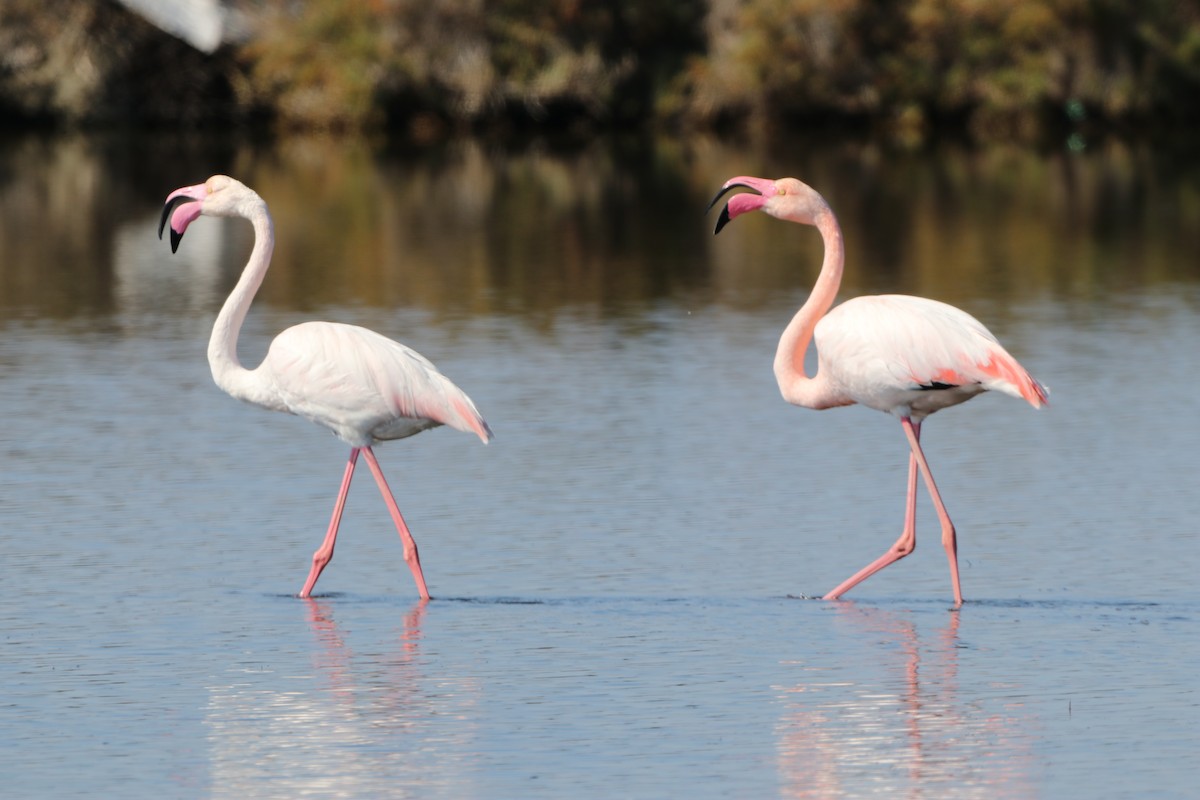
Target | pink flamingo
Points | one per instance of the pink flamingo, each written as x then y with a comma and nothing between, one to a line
364,387
906,356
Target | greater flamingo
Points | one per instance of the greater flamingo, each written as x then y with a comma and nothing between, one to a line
364,387
906,356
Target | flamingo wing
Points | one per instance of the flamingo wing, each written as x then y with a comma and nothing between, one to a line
364,386
886,344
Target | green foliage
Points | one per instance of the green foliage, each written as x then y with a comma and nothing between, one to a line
321,67
1004,67
1009,69
355,63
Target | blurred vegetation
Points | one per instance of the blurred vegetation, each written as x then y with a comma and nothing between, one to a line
472,226
1001,69
91,62
426,66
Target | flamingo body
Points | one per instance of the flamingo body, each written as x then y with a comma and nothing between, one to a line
906,356
911,356
363,386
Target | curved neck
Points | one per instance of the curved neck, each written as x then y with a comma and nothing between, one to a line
227,371
796,386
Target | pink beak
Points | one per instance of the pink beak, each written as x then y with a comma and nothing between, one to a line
182,208
741,203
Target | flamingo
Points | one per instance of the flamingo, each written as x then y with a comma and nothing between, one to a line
364,387
903,355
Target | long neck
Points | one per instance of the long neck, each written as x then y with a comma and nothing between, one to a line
797,387
227,371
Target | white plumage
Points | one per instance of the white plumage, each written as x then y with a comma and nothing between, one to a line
906,356
892,352
364,387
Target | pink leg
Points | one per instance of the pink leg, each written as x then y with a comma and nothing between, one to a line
410,546
949,540
325,551
908,537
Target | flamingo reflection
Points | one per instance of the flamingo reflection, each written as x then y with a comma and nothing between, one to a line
905,732
355,722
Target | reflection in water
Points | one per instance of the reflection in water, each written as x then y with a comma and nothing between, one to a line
191,283
354,725
908,734
470,228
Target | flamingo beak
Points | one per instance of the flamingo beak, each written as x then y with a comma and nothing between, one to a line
741,203
182,208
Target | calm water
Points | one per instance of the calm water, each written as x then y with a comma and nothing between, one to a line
618,578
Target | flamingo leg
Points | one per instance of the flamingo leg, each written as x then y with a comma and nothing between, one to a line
908,537
324,553
410,546
949,540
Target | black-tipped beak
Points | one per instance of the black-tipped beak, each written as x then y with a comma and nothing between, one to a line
722,220
167,211
753,184
761,187
726,189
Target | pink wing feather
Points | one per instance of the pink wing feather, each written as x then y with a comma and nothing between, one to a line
897,342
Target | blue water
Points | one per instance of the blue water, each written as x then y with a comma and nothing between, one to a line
619,579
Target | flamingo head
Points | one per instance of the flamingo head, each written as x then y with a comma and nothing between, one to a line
219,196
785,198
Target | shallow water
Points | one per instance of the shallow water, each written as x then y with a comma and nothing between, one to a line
618,578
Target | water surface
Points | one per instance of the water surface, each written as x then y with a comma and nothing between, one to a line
618,578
